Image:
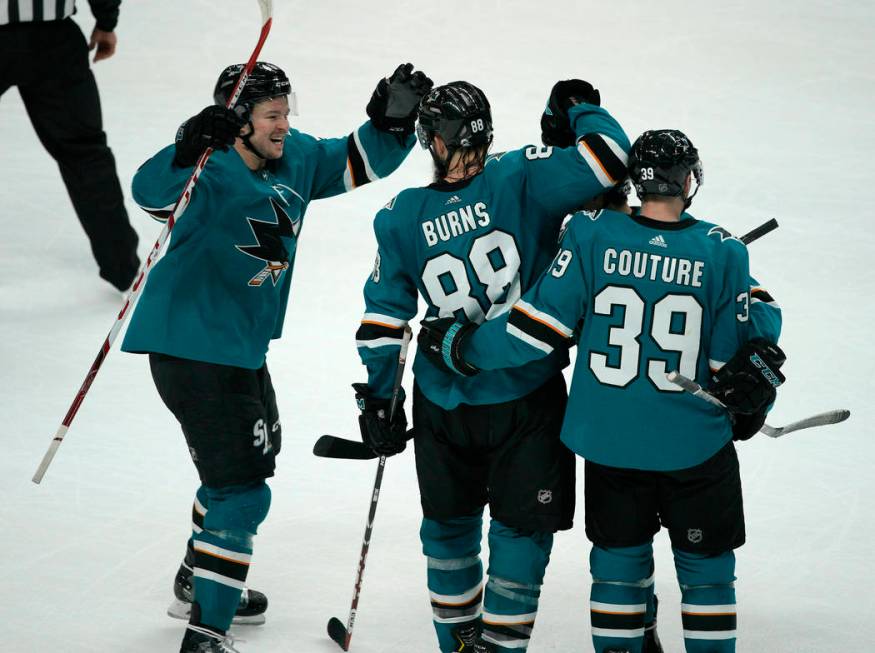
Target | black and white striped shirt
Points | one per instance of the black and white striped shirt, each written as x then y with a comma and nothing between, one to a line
35,11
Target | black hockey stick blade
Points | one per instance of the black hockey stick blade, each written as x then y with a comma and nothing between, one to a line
331,446
759,232
337,632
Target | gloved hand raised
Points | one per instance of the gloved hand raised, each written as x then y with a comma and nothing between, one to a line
215,127
393,104
440,340
384,436
555,127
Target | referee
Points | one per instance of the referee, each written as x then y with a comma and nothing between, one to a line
44,53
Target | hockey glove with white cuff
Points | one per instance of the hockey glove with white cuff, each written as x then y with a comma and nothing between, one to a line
747,385
440,340
555,127
393,104
384,437
215,127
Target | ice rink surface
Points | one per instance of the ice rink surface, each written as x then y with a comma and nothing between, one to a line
777,97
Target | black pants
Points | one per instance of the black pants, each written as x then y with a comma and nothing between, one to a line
507,455
48,62
228,415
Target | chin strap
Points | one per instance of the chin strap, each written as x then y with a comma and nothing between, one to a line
247,143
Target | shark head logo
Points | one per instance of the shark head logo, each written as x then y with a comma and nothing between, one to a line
270,247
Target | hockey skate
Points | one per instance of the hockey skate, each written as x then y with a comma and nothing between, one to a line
250,610
467,636
198,639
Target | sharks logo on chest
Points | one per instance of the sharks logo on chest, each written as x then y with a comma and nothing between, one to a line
270,247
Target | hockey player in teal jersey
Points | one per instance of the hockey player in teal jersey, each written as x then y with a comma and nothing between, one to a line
218,296
469,244
647,294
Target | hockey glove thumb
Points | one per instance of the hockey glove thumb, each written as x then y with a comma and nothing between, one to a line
747,383
384,436
555,127
440,340
215,127
393,104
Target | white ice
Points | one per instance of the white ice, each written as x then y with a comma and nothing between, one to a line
778,97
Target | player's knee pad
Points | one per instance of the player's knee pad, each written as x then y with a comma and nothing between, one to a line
696,570
516,555
631,565
237,508
451,538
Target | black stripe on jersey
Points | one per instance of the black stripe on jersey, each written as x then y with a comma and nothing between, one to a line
221,566
13,12
59,9
37,11
709,622
761,295
374,331
356,163
613,165
617,621
196,518
537,330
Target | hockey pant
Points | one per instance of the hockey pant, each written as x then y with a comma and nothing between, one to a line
621,598
224,521
506,611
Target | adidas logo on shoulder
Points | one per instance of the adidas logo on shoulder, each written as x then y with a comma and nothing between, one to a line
455,199
659,241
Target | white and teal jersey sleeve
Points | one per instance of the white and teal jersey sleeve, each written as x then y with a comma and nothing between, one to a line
647,298
219,293
390,302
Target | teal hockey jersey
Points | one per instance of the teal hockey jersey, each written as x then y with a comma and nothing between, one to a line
219,293
646,298
471,248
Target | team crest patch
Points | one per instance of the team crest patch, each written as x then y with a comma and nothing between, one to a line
720,231
694,535
270,247
545,496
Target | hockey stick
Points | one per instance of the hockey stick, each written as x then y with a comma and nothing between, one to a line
759,232
821,419
334,446
266,7
336,630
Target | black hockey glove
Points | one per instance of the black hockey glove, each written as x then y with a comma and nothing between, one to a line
555,128
215,127
440,340
747,383
393,104
744,427
384,437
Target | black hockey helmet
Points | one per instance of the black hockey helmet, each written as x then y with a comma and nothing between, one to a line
266,81
660,161
459,112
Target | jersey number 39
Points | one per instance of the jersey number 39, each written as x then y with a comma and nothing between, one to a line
627,337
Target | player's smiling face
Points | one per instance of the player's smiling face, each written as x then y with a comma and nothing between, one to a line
270,120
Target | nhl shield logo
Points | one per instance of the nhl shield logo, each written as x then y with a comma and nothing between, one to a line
545,496
694,535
